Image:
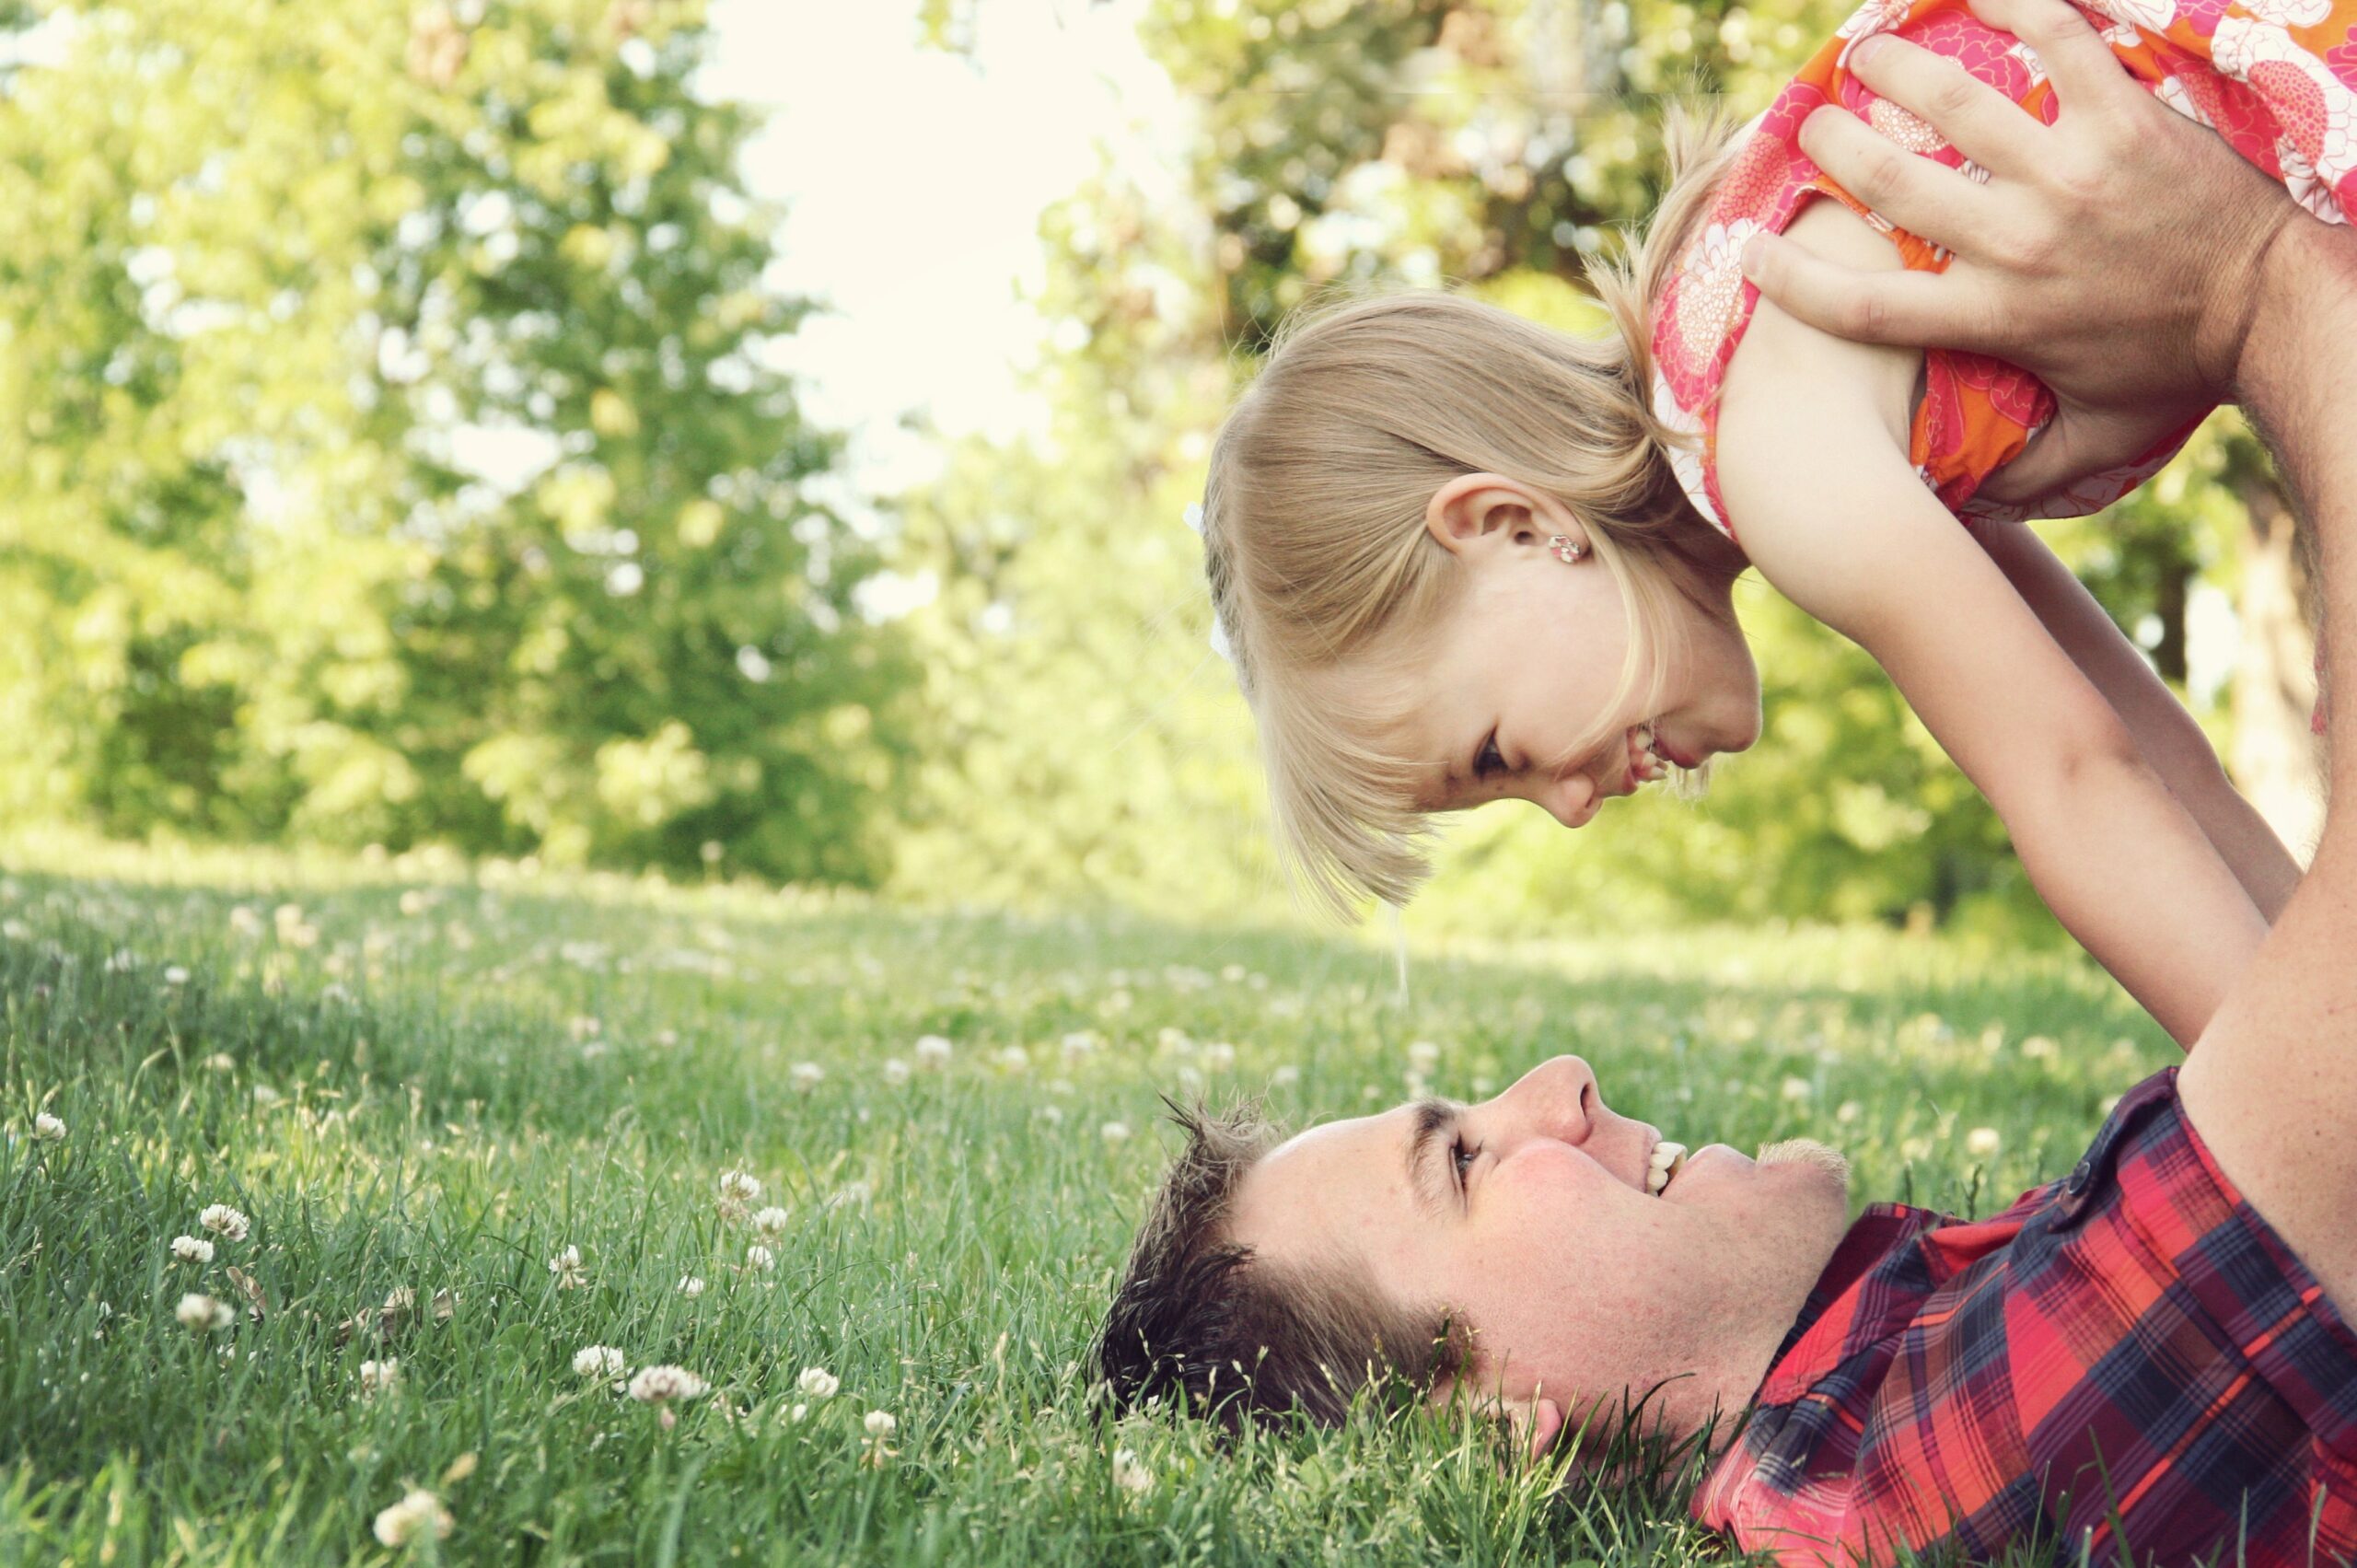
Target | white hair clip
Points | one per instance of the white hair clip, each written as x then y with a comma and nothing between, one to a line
1220,644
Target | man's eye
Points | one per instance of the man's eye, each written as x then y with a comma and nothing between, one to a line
1465,1158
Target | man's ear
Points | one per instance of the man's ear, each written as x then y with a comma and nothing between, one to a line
1532,1423
1536,1423
1475,512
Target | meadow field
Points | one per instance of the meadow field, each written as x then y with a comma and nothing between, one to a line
452,1156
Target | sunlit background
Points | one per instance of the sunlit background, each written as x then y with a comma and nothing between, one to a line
751,441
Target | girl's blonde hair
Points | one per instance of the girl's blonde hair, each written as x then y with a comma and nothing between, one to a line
1313,516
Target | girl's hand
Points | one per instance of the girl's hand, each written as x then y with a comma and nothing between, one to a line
2114,253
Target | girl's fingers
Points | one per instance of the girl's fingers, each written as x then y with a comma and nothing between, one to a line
1979,121
1913,309
2084,71
1942,205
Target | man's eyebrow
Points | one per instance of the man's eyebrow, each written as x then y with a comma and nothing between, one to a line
1429,1118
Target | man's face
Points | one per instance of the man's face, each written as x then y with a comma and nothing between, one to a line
1526,1218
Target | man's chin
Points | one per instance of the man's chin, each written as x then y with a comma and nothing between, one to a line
1809,1152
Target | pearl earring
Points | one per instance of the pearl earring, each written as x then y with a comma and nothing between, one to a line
1566,549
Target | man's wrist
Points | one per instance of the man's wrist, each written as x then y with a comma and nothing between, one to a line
2302,300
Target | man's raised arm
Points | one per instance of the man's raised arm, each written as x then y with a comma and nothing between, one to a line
2271,1086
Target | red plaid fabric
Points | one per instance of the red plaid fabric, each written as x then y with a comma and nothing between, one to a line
2129,1357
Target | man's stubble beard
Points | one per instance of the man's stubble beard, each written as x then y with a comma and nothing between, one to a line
1809,1152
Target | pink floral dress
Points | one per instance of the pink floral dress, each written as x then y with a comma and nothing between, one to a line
2276,78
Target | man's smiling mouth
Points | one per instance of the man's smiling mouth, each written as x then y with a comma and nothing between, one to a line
1667,1159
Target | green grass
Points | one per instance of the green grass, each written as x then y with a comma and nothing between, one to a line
413,1078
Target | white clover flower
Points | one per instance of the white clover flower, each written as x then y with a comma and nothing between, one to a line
797,1413
1013,1059
1218,1056
1114,1132
379,1376
896,1072
805,1076
598,1361
760,1257
817,1383
566,1267
1053,1115
1848,1110
266,1095
175,975
661,1384
223,1220
203,1313
690,1286
739,1189
849,1195
880,1425
220,1061
1079,1044
1423,1056
1285,1076
192,1249
419,1514
1981,1142
771,1222
48,1129
1797,1089
932,1052
1130,1473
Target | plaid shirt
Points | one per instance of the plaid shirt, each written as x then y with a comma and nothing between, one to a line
2130,1355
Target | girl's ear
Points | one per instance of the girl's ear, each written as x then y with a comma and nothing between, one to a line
1478,512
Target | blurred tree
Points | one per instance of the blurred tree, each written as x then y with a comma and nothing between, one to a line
391,446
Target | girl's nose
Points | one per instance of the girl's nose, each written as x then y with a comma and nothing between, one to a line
1574,800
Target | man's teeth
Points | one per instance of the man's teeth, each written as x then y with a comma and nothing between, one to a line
1667,1160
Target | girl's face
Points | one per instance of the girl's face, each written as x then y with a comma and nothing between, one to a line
1529,661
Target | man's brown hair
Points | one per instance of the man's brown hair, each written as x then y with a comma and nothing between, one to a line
1198,1319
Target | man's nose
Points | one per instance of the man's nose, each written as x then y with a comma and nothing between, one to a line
1557,1099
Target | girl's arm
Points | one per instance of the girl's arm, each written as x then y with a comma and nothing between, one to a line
1812,445
2165,732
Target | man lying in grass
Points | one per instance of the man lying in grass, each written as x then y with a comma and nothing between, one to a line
2149,1358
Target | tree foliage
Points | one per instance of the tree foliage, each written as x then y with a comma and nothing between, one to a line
392,445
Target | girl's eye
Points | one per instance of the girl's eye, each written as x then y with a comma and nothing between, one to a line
1465,1158
1491,761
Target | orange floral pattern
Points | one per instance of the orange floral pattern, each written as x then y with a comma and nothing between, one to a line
2276,78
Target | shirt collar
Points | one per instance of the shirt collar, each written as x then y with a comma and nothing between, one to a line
1877,1232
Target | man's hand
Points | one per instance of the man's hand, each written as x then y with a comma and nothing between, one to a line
2115,254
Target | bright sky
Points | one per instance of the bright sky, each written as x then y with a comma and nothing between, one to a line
914,180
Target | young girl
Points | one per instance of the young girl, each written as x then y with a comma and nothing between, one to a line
1456,557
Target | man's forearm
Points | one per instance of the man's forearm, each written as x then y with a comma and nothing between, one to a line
2297,381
